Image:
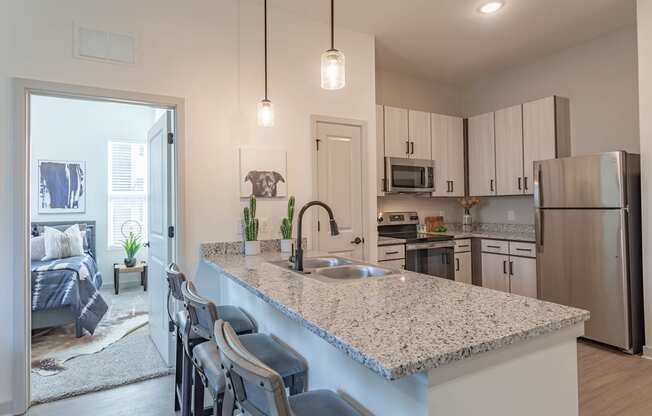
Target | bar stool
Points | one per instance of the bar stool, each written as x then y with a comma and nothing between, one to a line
206,360
256,389
186,340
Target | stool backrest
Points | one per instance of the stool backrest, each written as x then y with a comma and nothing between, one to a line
258,389
175,280
201,312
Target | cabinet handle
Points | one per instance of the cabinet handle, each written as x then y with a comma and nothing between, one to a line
452,186
504,266
525,183
524,249
407,151
496,247
491,185
412,151
520,183
511,268
391,252
457,264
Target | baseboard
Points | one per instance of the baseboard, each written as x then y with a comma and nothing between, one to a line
647,352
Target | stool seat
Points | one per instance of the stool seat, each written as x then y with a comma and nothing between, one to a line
282,360
320,403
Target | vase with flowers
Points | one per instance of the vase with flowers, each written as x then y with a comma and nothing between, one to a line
467,203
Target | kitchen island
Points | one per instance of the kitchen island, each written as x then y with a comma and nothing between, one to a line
411,344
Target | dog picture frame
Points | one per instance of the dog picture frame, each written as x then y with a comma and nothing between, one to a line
263,173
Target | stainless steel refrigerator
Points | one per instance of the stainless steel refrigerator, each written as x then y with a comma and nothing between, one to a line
588,229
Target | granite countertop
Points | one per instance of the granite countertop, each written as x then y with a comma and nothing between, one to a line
388,241
496,235
398,325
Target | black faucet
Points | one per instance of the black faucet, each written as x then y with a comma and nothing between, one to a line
298,255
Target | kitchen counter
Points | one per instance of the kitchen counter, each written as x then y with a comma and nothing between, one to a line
494,235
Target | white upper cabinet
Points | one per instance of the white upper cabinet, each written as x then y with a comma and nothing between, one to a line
482,157
380,150
509,151
448,154
419,132
546,133
397,141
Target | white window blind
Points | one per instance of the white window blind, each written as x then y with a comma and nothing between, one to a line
127,190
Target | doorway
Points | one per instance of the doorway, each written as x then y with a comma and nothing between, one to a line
339,181
101,175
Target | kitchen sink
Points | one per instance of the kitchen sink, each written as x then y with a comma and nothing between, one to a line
312,263
353,271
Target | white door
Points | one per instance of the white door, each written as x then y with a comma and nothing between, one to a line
539,136
523,280
419,130
463,268
509,151
160,251
397,142
495,274
482,155
340,177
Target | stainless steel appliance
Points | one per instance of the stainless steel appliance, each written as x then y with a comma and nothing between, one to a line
588,229
409,175
424,253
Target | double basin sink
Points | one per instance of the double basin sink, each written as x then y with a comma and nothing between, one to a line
333,269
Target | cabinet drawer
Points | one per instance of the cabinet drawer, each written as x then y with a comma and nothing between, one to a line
393,264
522,249
462,246
495,246
391,252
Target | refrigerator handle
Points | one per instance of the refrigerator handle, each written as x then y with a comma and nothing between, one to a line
538,225
537,186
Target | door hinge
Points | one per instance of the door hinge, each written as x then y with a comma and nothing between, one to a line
170,138
171,231
318,140
171,326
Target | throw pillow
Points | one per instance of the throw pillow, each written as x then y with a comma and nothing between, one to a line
59,244
37,247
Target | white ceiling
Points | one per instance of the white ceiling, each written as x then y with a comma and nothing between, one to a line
450,41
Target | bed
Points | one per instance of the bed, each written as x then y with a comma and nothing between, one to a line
67,290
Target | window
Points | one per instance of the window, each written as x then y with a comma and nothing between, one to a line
127,190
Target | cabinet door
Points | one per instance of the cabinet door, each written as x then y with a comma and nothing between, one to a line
463,268
439,128
523,279
396,132
509,151
393,264
494,271
539,135
419,131
380,150
482,158
455,155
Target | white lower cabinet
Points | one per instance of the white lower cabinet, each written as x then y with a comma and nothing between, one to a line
494,271
393,264
523,279
463,268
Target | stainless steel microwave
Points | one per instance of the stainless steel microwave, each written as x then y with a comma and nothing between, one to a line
409,175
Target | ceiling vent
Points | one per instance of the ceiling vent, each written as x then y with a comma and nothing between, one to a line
104,46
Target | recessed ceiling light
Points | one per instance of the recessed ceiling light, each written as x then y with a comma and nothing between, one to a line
491,7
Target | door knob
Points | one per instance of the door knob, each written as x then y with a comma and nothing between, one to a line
357,240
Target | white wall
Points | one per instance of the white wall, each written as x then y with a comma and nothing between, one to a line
195,53
644,24
67,129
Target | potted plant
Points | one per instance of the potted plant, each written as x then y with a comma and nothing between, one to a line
250,225
286,228
468,203
131,245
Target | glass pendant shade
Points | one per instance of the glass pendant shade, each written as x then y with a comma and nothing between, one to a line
333,74
265,113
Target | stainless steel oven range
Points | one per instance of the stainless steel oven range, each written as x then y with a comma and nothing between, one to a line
424,253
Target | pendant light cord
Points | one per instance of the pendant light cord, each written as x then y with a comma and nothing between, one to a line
265,24
332,24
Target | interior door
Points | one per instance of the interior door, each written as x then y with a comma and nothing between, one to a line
339,181
420,140
482,155
509,151
160,218
582,262
494,272
397,143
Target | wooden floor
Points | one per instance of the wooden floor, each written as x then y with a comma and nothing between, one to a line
611,384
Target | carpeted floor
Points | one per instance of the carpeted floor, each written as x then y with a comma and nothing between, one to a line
121,352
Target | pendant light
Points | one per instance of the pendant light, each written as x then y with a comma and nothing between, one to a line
333,76
265,108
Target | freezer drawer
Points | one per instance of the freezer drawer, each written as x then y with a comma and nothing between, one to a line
592,181
582,262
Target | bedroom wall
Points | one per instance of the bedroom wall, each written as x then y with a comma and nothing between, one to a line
67,129
211,55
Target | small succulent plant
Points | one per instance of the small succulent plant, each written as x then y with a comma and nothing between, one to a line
286,223
250,222
131,245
